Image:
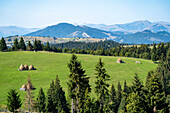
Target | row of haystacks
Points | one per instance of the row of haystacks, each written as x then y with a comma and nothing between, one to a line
25,67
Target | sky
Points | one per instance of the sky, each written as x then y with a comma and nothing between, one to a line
42,13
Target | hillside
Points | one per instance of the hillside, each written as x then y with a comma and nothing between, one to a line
52,40
65,30
49,65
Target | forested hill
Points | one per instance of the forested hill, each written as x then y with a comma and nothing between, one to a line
83,45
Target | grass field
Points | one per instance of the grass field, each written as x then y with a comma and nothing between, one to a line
49,65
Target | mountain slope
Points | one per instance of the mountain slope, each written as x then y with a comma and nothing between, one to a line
133,27
63,30
14,30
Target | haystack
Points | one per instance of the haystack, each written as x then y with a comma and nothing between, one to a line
31,67
119,60
26,67
21,67
138,62
24,86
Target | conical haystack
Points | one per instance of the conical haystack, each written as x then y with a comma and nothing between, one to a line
21,67
26,67
24,86
119,60
31,67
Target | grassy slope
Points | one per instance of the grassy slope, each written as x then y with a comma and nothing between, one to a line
51,64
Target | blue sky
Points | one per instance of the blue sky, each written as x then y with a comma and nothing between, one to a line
41,13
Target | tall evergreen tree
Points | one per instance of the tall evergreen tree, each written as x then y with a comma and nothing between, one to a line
39,45
29,46
13,101
16,45
136,99
3,46
78,83
101,88
156,97
40,102
61,102
113,99
51,107
119,93
22,44
35,45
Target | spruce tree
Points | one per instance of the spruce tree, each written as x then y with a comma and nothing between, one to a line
101,88
22,44
29,46
60,101
113,99
40,104
156,96
119,93
16,45
77,84
39,45
3,46
13,101
35,45
136,99
51,107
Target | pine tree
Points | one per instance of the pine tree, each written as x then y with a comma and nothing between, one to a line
119,93
78,83
40,104
60,101
123,103
136,99
35,45
153,57
13,101
47,47
3,46
29,46
22,44
147,83
29,102
156,97
39,45
101,88
56,100
51,107
113,99
16,45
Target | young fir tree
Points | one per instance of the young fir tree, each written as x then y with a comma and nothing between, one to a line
156,97
29,46
40,102
29,102
136,99
153,57
13,101
78,83
47,47
3,46
113,99
22,44
16,45
101,88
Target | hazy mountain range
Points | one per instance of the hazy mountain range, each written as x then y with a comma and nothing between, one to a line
14,30
133,27
135,32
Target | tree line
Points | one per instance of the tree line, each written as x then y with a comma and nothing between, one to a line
106,48
137,98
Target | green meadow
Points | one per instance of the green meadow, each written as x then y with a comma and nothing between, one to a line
50,64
